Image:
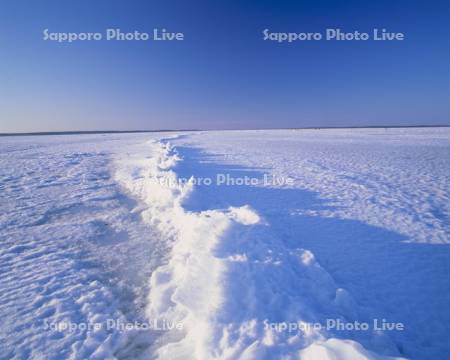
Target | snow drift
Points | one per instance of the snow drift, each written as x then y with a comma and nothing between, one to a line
228,278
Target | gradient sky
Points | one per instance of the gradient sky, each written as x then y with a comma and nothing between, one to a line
223,75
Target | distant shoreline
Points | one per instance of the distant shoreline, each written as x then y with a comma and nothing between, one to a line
93,132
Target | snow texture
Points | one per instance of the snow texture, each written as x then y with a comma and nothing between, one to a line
98,227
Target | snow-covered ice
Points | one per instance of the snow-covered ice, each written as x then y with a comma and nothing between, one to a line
125,227
73,250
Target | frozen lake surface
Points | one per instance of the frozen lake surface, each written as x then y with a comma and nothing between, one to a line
245,239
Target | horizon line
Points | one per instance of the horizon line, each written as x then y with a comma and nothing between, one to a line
93,132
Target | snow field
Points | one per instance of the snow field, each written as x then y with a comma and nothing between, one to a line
95,228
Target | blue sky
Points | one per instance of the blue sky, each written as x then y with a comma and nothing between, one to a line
223,75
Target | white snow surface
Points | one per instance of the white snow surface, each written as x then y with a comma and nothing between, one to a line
73,248
99,227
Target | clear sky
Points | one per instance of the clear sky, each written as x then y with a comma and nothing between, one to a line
223,75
